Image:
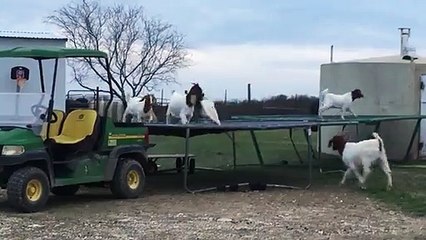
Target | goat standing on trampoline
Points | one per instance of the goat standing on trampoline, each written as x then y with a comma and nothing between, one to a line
184,106
140,108
341,101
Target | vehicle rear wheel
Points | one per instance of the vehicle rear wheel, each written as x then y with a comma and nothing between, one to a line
28,189
128,180
65,190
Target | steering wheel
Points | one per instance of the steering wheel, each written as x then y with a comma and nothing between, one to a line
37,109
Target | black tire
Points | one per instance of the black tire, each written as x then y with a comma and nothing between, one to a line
17,189
70,190
120,186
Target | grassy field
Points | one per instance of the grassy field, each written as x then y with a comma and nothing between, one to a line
409,192
216,150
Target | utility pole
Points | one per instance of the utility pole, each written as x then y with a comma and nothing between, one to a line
249,92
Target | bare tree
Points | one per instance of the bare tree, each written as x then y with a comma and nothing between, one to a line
143,52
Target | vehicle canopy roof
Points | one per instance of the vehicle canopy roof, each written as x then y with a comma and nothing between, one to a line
50,53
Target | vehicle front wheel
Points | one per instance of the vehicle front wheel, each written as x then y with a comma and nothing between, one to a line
28,189
128,180
65,190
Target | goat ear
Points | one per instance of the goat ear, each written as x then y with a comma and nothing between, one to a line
330,143
202,94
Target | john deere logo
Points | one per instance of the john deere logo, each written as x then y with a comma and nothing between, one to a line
81,116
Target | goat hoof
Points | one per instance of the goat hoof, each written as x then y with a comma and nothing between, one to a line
388,188
362,185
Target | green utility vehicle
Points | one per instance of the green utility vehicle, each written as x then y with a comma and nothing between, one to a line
46,150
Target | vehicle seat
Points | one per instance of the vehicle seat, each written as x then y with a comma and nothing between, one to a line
55,128
79,133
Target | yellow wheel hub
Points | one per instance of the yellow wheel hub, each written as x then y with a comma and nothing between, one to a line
133,179
34,190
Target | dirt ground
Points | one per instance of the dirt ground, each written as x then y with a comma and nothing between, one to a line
323,212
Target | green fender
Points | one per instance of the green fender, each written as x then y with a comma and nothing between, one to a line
136,151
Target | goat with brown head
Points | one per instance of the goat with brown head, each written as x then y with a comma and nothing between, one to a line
141,108
194,95
191,106
149,102
338,142
356,94
343,101
362,154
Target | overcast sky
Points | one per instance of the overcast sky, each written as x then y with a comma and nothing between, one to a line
275,45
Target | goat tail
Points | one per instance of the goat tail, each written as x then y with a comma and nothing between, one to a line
376,136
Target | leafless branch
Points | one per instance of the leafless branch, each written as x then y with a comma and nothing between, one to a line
143,52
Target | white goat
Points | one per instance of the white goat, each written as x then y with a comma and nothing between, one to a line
363,154
341,101
179,109
141,108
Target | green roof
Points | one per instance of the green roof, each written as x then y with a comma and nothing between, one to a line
49,53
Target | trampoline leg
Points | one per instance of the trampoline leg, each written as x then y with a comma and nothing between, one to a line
357,131
256,147
234,150
186,161
308,134
416,128
319,147
294,145
377,126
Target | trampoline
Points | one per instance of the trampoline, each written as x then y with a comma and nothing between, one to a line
256,123
195,129
335,120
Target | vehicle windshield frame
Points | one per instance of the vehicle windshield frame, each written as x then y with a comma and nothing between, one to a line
41,54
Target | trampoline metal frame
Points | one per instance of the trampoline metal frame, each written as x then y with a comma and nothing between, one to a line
232,129
376,120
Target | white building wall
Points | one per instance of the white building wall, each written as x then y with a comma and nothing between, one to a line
33,84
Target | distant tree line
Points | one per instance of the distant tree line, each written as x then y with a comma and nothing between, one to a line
276,105
297,104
